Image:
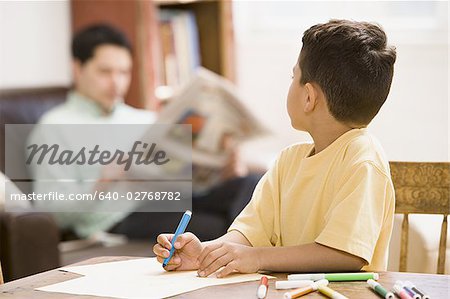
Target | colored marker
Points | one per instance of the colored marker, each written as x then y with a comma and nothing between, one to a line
330,293
180,230
415,289
380,290
292,284
336,276
305,290
408,290
263,287
401,292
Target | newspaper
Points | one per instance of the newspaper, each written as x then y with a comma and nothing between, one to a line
211,105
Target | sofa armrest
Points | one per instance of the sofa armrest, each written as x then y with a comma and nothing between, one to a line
28,243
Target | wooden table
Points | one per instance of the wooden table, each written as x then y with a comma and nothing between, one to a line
437,286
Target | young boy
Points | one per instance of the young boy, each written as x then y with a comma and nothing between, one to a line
326,206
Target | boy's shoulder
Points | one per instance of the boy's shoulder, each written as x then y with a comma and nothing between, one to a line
364,148
296,150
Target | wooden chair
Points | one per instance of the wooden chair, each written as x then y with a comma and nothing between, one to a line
422,188
1,274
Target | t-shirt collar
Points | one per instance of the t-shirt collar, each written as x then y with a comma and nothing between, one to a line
88,105
341,140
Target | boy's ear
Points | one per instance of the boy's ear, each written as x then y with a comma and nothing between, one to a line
311,97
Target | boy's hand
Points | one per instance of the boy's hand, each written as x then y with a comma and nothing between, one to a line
231,256
187,250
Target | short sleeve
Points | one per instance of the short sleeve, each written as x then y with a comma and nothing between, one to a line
355,220
256,221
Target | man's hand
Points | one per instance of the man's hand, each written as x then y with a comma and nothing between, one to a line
187,250
231,256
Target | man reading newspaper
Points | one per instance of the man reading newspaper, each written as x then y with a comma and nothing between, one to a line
102,71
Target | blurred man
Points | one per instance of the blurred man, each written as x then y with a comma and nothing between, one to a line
102,65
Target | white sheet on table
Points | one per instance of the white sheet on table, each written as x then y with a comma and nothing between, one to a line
137,278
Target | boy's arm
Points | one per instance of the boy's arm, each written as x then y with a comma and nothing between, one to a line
241,257
312,257
232,237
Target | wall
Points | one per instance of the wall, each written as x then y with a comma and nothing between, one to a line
34,44
412,125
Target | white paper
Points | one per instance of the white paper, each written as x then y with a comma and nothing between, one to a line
137,267
138,278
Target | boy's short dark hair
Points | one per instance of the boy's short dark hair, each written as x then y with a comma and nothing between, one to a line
88,39
352,64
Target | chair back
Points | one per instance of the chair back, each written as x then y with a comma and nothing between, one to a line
421,188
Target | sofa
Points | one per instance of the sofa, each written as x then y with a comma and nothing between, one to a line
30,242
20,231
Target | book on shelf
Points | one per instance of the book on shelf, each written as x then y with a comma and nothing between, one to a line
180,54
212,107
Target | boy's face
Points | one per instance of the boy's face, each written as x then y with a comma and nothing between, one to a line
105,77
295,100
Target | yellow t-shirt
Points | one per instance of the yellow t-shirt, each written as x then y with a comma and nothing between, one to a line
342,197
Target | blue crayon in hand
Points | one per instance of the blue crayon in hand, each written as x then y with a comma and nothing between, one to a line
180,230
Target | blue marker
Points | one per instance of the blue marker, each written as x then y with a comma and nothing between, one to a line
180,230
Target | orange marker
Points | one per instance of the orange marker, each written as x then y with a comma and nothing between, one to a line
305,290
263,288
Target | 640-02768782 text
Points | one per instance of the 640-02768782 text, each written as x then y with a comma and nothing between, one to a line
99,195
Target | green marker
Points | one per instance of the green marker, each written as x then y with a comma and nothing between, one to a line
336,276
380,290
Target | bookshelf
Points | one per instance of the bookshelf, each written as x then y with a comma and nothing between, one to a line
140,21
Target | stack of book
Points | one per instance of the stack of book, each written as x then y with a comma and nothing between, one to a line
180,54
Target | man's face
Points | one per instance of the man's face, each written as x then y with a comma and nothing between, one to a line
106,76
295,100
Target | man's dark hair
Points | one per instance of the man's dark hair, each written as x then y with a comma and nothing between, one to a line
88,39
352,64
